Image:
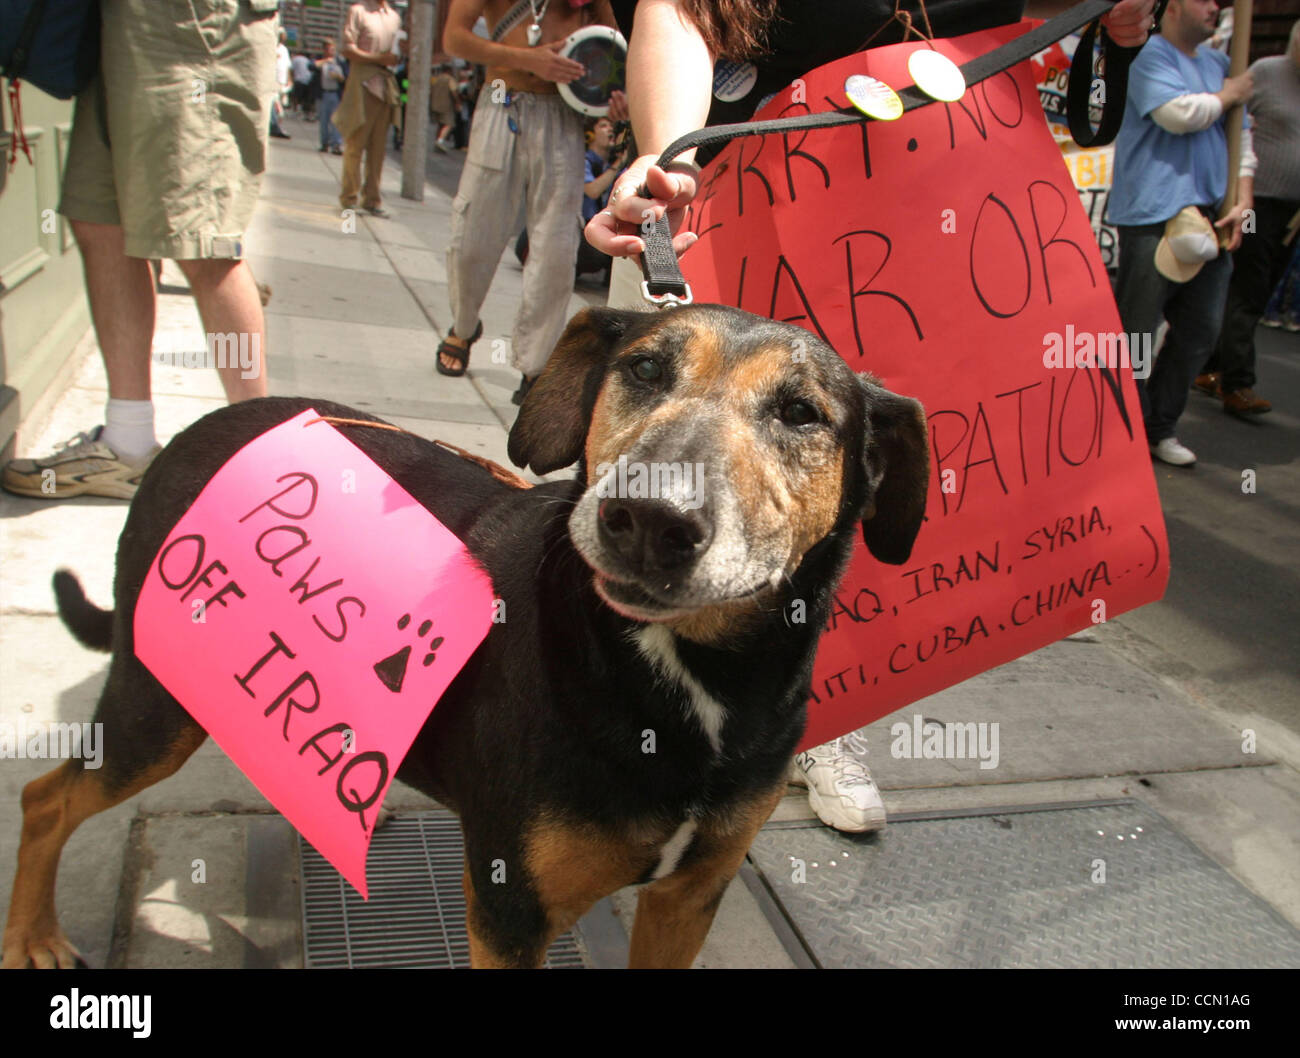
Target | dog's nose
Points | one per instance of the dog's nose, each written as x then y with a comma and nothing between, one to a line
653,535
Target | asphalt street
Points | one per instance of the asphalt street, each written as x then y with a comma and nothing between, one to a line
1227,629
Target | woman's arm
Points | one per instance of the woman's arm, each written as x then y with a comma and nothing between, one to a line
669,87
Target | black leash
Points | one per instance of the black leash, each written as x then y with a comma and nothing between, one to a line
664,285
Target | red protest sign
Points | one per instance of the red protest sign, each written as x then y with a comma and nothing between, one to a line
947,253
309,613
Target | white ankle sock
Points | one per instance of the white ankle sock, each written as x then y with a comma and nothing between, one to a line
128,428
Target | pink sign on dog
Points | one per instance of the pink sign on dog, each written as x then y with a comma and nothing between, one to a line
309,613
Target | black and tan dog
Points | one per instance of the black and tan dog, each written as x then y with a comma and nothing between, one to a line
627,614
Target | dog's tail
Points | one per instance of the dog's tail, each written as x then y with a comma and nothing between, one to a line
92,626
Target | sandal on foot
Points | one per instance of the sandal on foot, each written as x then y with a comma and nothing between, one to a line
456,352
524,386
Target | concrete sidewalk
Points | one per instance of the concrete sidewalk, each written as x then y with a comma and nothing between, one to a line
355,318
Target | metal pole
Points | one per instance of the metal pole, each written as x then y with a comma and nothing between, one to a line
415,132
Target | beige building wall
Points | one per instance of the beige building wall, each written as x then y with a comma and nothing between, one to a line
43,308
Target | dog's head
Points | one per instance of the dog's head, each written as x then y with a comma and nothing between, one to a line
717,449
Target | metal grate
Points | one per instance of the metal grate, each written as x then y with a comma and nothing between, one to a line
416,913
1015,888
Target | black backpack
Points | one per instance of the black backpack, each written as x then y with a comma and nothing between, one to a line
53,45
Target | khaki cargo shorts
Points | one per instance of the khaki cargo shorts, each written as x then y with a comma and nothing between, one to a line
169,140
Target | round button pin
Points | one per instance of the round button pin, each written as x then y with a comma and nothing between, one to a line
874,98
733,81
936,75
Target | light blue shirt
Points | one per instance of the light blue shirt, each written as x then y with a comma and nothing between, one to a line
1158,173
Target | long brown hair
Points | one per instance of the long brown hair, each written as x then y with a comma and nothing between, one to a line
733,29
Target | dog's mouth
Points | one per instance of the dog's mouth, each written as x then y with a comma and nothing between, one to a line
634,601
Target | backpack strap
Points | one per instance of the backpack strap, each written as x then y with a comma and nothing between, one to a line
23,48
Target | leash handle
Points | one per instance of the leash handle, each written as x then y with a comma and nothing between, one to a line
1078,93
664,286
506,477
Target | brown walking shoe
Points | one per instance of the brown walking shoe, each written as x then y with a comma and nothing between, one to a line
1242,402
1210,384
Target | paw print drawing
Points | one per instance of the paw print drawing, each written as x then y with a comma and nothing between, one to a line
392,669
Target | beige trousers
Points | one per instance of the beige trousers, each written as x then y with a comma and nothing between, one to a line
372,139
538,164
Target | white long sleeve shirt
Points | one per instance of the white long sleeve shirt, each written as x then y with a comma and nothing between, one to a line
1199,110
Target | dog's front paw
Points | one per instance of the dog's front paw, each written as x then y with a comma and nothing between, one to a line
45,949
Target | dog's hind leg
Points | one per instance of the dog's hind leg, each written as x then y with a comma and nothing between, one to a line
673,914
53,806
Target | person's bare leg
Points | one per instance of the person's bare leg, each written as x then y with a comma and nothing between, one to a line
122,305
230,305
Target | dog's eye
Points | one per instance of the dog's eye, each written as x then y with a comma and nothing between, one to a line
646,369
799,413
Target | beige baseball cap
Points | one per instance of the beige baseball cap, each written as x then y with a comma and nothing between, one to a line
1189,241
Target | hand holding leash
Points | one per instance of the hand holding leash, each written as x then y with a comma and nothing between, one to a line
645,192
1129,22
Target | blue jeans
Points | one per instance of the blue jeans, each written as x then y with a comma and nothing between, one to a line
1194,310
329,133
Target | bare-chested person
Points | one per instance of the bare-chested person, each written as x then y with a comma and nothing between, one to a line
525,146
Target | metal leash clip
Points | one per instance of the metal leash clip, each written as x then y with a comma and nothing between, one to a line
659,265
668,299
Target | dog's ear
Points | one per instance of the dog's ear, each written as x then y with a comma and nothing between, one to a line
552,425
896,472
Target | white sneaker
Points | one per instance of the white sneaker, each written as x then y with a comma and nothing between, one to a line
840,789
83,466
1171,452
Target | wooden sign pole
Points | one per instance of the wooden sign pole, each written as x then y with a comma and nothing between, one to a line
1242,13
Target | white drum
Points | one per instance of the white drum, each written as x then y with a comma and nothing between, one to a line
603,52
